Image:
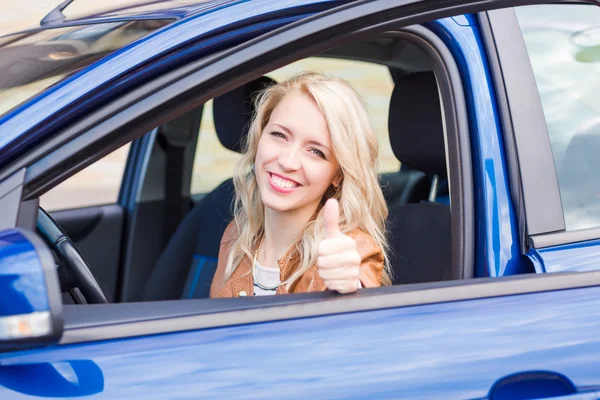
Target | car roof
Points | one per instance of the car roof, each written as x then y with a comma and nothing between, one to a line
154,9
137,10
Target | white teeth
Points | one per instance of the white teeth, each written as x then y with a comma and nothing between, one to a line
283,183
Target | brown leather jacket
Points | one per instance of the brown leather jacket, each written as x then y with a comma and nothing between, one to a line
241,282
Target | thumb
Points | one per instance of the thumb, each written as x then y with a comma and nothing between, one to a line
331,214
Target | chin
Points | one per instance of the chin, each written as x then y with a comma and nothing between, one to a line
279,205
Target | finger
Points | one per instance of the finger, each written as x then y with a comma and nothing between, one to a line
340,260
336,245
343,285
331,214
351,273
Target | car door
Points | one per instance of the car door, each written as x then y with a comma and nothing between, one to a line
502,338
520,337
546,58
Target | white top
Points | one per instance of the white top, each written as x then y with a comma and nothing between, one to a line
267,277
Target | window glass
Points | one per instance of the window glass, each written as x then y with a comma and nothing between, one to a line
95,185
34,61
213,163
563,42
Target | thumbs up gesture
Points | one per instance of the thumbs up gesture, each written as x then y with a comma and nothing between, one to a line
338,261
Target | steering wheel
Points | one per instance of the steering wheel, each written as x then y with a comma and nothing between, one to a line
73,270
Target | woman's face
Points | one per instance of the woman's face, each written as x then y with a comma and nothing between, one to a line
294,163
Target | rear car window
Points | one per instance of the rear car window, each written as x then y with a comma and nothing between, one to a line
33,61
563,42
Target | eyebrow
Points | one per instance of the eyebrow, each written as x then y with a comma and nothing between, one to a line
314,142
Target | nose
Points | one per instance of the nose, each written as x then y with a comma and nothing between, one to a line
289,159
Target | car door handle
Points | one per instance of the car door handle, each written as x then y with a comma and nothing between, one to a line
538,385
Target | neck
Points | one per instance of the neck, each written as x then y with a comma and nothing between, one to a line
281,230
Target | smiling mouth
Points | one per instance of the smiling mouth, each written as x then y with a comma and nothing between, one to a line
282,182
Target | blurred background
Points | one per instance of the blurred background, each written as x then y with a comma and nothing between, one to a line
23,14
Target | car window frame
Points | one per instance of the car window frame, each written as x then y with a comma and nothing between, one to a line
524,125
406,14
534,182
460,175
90,323
462,206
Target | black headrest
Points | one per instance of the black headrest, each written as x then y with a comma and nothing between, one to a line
415,124
233,111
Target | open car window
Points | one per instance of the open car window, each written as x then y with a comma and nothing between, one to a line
213,163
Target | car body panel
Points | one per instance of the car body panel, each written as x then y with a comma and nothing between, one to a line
583,256
143,11
498,252
154,9
446,350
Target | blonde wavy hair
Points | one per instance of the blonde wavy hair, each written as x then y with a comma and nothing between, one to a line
355,147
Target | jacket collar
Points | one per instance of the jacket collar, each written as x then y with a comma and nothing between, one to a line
287,264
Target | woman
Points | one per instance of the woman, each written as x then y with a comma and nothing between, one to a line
309,214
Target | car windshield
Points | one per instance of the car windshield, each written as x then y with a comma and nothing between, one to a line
33,61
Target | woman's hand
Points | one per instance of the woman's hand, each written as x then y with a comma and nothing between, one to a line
338,261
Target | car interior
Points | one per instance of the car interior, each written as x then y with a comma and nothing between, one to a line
166,240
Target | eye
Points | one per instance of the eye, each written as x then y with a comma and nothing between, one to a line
278,134
318,153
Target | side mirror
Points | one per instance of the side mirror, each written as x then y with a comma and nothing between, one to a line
30,300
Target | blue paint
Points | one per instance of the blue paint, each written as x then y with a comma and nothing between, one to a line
63,379
496,231
22,282
583,256
536,260
463,347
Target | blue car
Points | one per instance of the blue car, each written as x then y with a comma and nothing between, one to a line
118,136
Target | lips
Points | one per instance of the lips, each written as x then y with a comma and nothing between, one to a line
281,184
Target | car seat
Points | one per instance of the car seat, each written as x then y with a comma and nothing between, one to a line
419,234
186,267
